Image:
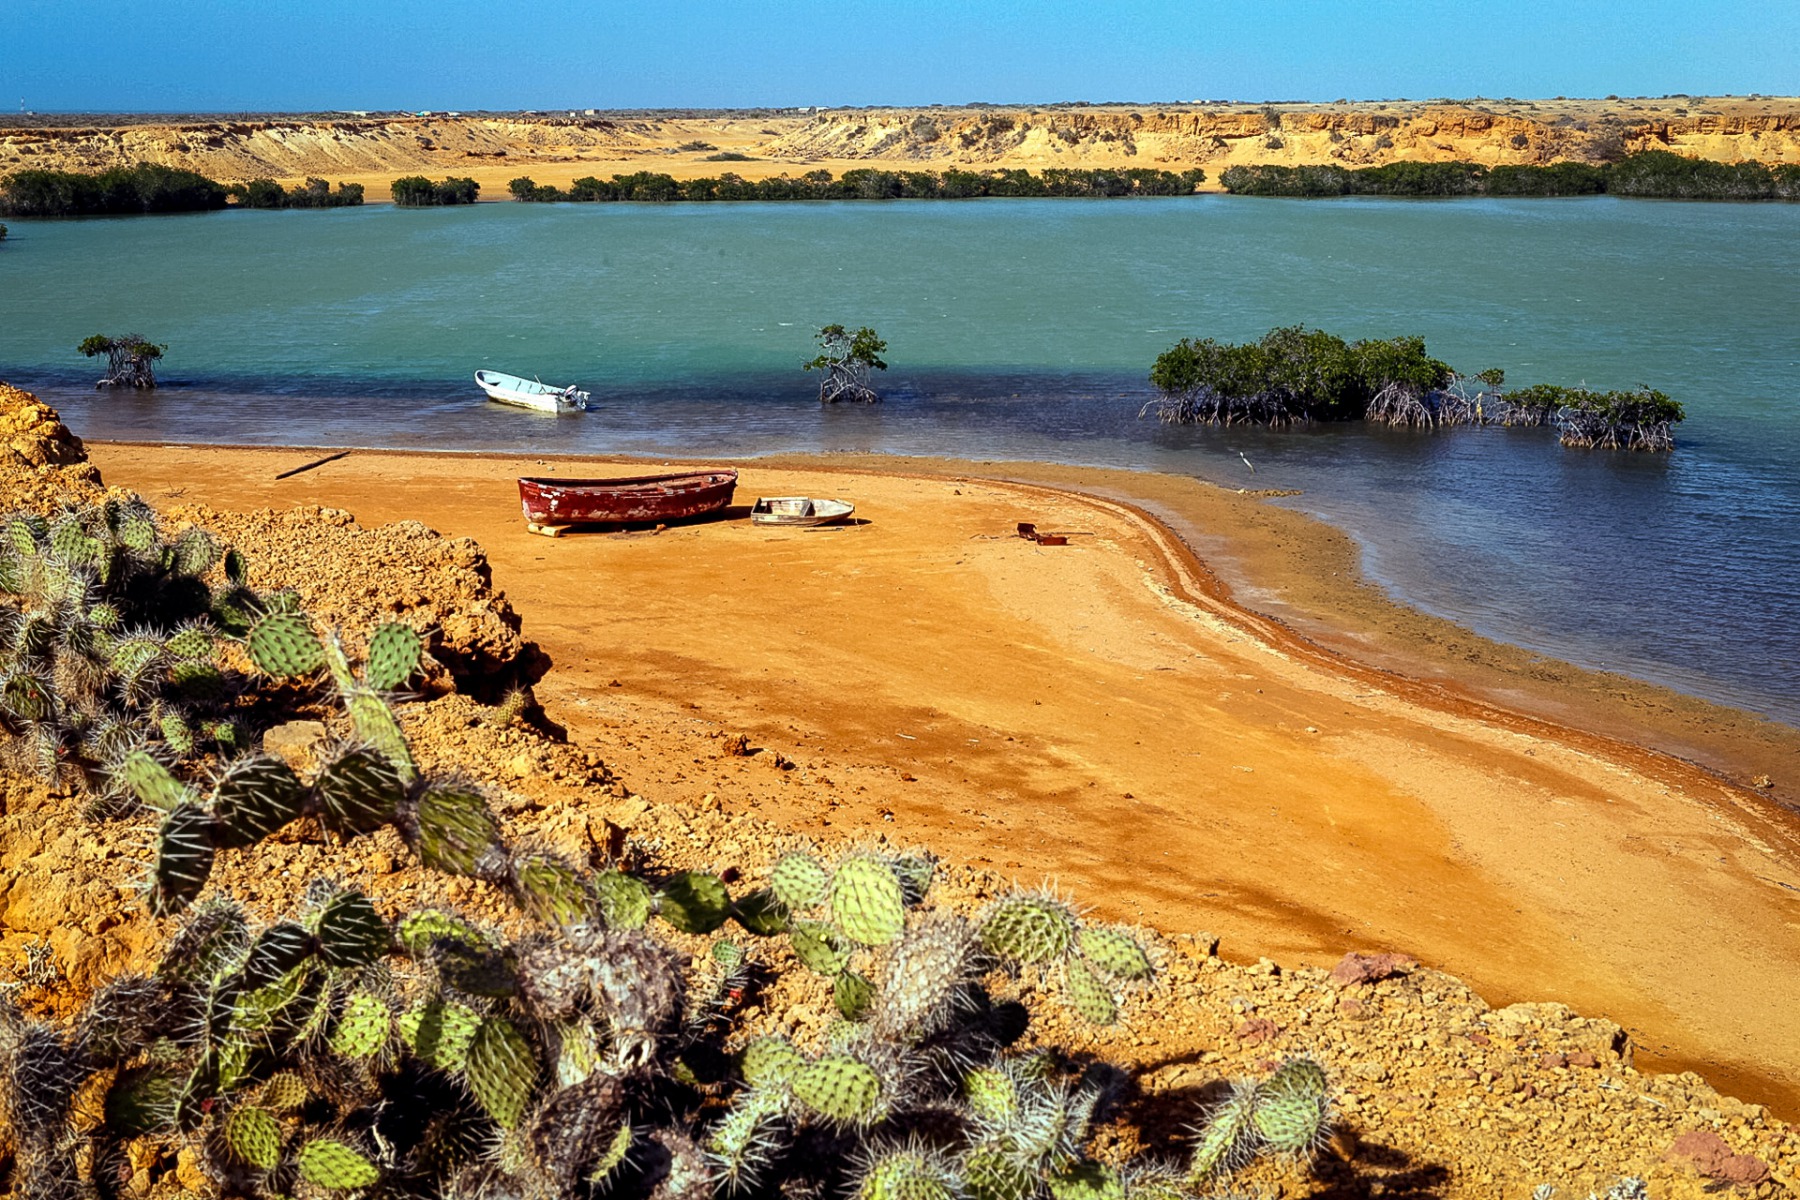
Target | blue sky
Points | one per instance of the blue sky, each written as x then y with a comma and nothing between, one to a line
174,55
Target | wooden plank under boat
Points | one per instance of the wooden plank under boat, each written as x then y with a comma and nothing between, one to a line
799,511
640,499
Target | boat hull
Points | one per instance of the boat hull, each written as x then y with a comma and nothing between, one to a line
798,512
641,499
518,392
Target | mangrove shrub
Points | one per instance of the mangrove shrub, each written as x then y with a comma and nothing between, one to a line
117,191
416,191
847,357
130,359
1656,174
868,183
316,193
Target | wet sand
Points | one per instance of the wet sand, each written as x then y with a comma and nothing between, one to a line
1311,771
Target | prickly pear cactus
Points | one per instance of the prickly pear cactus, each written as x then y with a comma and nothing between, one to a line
455,832
551,890
1029,929
1228,1140
907,1174
769,1060
357,792
502,1071
799,881
840,1088
254,1138
1114,953
625,901
440,1032
1086,1181
362,1028
284,644
1293,1107
351,933
694,902
867,902
331,1164
255,797
395,651
184,858
1087,993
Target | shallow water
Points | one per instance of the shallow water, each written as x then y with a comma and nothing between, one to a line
1022,329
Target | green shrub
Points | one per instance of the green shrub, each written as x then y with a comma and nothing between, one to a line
117,191
416,191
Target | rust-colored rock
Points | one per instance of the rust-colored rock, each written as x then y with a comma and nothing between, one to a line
1712,1157
1356,968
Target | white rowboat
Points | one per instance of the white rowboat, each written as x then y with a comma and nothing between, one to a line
794,511
530,393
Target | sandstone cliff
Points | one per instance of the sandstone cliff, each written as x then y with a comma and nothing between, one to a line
495,148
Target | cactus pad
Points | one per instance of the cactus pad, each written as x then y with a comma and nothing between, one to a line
1228,1140
694,902
761,913
816,946
440,1032
195,551
1292,1107
924,977
395,651
991,1173
422,930
284,644
457,833
992,1095
197,682
915,872
254,1137
135,655
351,933
151,782
210,941
907,1175
625,902
502,1071
184,858
1028,929
1114,953
866,900
1086,1181
853,994
375,724
362,1026
27,697
742,1143
177,734
255,797
1087,993
551,890
840,1088
358,792
143,1099
331,1164
769,1060
283,1091
277,950
193,642
237,570
799,881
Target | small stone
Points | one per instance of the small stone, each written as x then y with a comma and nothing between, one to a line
1583,1058
1553,1062
1257,1030
522,766
297,744
1356,968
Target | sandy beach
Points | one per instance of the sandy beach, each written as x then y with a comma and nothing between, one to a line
1310,771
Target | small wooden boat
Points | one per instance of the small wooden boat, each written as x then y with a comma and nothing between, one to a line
530,393
797,511
552,504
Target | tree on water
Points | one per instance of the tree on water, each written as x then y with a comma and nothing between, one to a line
847,358
130,360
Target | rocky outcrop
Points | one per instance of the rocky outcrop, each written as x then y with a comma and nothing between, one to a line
34,433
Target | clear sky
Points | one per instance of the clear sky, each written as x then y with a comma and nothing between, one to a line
189,55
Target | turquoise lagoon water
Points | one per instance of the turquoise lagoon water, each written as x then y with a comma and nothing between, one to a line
1023,329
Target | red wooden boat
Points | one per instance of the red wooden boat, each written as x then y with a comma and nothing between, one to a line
551,503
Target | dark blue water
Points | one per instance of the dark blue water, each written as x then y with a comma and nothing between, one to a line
1023,330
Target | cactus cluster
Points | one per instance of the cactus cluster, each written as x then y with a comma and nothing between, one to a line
579,1051
110,631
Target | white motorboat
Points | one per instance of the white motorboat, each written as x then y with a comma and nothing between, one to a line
799,511
530,393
